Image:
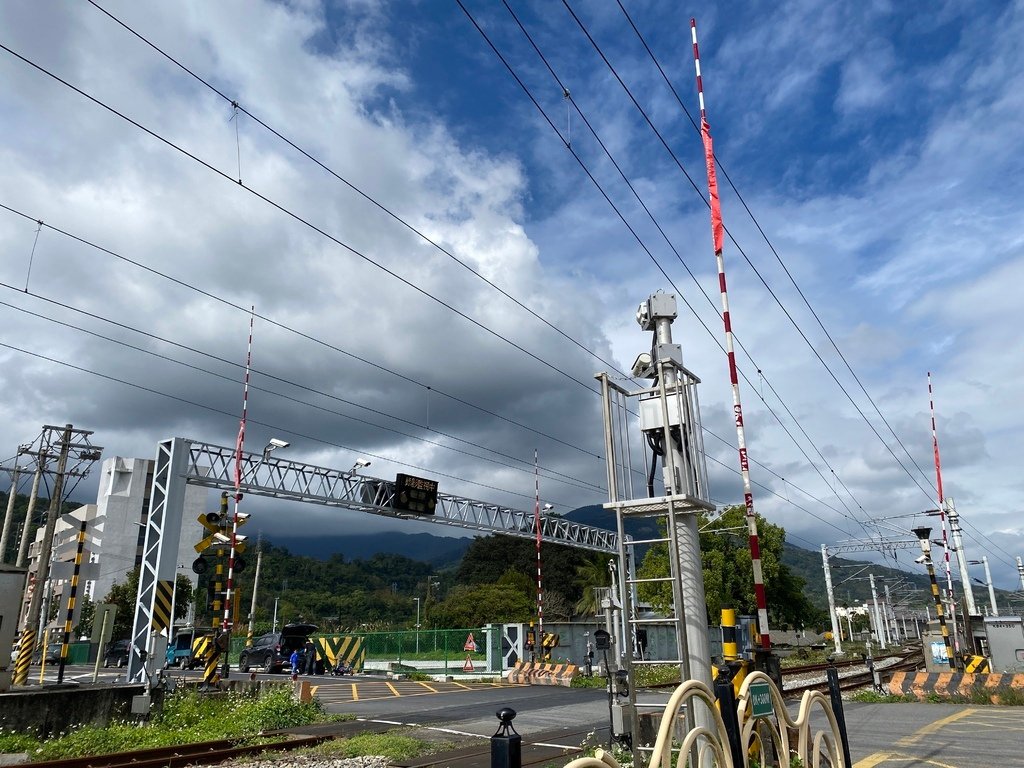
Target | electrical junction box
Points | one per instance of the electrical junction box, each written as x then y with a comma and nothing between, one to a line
1005,643
12,586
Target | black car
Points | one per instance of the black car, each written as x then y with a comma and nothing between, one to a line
116,654
272,652
52,655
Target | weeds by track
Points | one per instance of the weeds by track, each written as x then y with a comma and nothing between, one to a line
183,754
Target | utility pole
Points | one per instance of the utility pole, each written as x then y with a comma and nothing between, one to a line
33,497
879,626
961,556
9,516
991,587
71,439
28,635
831,599
1020,572
255,586
890,617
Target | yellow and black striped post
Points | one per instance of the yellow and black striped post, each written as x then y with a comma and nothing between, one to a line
72,596
731,649
24,658
162,607
939,610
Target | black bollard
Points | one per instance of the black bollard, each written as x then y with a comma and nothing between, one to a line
727,706
837,709
506,744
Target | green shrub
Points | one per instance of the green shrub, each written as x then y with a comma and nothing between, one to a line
277,709
17,742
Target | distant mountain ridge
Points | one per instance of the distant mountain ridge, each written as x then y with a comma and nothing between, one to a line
850,584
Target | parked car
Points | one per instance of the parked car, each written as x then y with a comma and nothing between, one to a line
271,652
116,654
52,654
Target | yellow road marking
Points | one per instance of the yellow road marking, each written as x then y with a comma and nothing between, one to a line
461,685
313,690
428,687
927,730
393,689
355,692
884,757
895,757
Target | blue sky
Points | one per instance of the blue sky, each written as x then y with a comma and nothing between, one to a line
878,145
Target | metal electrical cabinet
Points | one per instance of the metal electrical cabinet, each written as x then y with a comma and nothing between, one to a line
12,585
1005,643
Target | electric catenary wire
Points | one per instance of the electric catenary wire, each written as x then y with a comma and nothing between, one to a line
617,211
234,105
302,220
717,235
269,201
679,257
768,242
764,282
555,475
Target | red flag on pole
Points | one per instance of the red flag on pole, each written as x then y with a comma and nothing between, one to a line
717,228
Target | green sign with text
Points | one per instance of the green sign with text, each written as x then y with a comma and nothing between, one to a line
761,700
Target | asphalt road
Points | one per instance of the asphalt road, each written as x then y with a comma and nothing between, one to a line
880,735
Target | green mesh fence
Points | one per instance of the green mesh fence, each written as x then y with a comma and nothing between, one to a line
408,646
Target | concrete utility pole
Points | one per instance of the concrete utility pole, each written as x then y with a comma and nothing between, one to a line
961,556
1020,572
890,617
28,635
831,599
879,624
9,516
991,586
255,586
33,497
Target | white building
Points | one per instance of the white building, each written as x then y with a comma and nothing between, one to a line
123,504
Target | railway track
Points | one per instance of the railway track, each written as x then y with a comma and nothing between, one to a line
204,752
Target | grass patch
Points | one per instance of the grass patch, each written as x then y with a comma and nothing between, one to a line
186,717
874,697
589,682
393,746
17,742
656,674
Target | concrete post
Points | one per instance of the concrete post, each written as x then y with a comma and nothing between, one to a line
991,587
961,557
831,599
879,624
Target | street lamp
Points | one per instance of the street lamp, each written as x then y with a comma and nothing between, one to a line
987,583
926,557
273,445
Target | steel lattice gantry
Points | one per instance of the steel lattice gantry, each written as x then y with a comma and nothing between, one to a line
182,462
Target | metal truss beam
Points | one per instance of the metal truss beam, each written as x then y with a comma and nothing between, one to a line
873,546
181,462
213,466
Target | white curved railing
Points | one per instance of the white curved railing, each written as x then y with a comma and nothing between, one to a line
791,737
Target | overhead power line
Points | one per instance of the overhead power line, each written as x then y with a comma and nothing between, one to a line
739,248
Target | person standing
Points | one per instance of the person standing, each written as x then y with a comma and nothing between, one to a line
310,653
294,659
